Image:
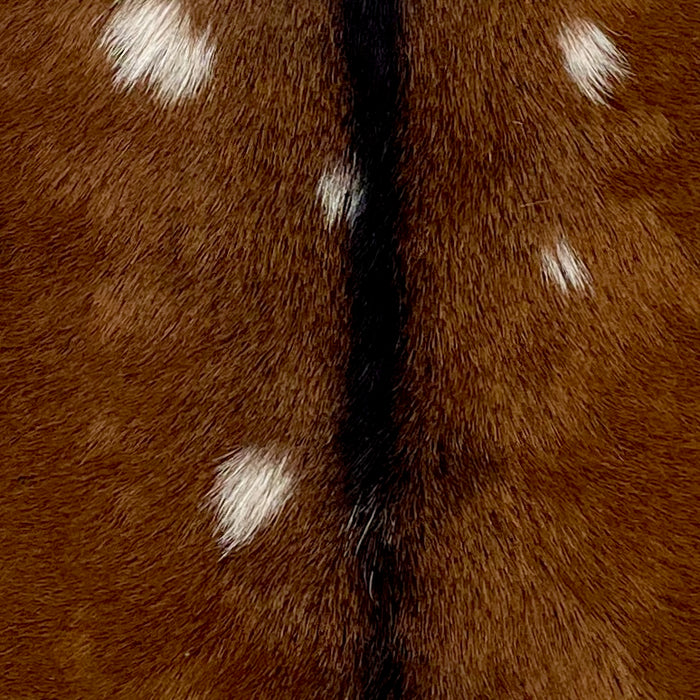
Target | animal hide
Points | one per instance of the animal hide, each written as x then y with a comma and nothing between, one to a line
350,349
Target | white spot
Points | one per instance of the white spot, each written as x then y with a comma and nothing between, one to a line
250,488
154,41
565,269
341,193
591,59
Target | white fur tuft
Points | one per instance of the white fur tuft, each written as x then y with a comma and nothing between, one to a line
154,41
591,59
341,194
563,268
250,488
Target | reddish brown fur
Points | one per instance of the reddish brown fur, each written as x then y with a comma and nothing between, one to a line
561,530
158,313
170,292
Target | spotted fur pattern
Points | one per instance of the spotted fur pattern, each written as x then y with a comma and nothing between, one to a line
350,349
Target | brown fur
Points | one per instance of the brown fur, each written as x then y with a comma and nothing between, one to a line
170,292
559,529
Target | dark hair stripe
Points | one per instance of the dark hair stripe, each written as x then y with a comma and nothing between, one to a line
376,71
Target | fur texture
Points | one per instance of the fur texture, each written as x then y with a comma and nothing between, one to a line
350,349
